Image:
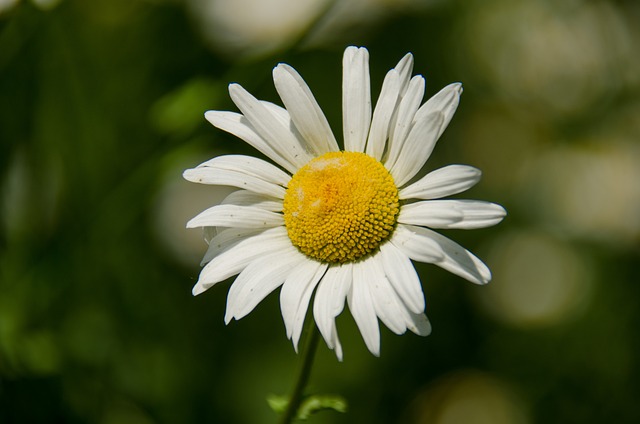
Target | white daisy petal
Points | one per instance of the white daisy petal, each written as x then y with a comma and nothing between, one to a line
447,181
258,279
422,242
295,295
335,341
403,276
249,198
404,69
238,177
379,131
236,216
356,98
419,249
403,117
236,258
343,278
238,125
428,125
329,301
454,214
281,115
445,101
226,239
419,324
391,308
305,112
417,148
250,166
362,308
273,132
386,303
209,233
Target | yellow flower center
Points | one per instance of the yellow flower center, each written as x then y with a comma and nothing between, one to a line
340,206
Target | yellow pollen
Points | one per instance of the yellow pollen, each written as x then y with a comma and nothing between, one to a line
340,206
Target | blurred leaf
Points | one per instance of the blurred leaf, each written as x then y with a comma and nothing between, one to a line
181,111
310,405
278,403
316,403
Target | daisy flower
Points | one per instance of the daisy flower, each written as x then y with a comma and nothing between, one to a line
344,223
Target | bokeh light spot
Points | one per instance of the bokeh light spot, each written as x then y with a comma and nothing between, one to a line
538,280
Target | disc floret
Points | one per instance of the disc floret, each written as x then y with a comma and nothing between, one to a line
340,206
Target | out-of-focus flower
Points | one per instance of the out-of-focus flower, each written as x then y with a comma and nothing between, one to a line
540,280
345,222
469,396
587,191
560,58
250,27
6,5
253,27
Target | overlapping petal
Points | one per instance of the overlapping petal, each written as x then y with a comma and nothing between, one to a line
445,101
226,239
244,172
404,69
454,214
447,181
382,115
261,277
388,306
403,118
304,110
236,216
329,303
403,276
362,307
424,245
233,260
269,127
295,295
250,198
238,125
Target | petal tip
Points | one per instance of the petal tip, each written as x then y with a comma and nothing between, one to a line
228,317
235,89
198,289
277,70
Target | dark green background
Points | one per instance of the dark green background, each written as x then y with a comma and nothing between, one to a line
101,107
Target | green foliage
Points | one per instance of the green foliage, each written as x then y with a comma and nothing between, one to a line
315,403
180,112
310,405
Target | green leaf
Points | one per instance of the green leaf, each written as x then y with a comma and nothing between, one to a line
181,111
309,405
315,403
278,403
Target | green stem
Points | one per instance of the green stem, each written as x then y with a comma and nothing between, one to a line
307,362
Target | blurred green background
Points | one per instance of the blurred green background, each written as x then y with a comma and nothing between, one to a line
101,108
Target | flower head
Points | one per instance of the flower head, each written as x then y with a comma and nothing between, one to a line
343,223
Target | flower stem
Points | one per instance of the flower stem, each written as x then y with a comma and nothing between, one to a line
307,362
